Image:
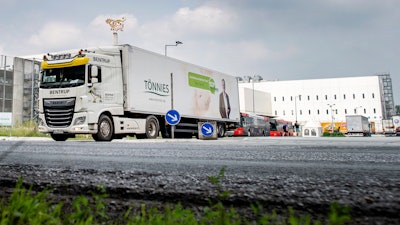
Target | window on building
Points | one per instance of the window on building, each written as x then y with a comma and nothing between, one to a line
363,95
309,112
345,111
373,95
291,98
292,112
354,96
308,97
283,98
355,111
301,112
316,97
318,111
365,111
274,99
374,110
283,113
326,97
344,96
334,96
276,113
327,112
336,111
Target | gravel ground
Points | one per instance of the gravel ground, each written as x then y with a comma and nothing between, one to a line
372,200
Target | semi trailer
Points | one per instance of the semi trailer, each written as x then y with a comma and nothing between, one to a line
114,91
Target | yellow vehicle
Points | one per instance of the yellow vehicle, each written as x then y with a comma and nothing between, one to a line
337,126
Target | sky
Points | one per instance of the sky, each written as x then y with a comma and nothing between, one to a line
278,40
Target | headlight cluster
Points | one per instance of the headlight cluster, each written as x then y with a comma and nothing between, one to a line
80,120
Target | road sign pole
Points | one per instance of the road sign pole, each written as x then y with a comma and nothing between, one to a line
172,104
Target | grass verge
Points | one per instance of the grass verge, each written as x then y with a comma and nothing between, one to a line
25,206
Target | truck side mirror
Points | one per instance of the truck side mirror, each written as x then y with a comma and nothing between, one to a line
93,71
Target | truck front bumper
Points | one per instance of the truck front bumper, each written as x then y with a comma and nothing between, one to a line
79,125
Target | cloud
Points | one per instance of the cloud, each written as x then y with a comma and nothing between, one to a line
190,24
204,19
56,35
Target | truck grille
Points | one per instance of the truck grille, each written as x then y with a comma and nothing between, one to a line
59,112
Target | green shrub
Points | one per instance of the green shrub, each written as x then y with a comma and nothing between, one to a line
334,134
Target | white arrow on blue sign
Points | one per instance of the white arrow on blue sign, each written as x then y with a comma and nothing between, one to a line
207,129
172,117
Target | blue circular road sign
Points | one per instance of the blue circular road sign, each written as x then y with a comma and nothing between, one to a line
207,129
172,117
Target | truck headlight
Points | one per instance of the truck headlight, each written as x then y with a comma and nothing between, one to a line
80,120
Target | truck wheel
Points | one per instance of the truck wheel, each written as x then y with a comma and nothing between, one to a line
59,137
105,130
221,130
152,127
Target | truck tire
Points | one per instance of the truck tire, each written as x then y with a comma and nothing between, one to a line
105,130
59,137
221,130
152,128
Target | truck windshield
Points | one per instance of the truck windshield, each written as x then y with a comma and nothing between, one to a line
63,77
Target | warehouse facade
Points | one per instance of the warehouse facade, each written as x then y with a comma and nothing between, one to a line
330,99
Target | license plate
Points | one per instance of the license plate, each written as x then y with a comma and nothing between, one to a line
58,132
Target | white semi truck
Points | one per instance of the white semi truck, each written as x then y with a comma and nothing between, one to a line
115,91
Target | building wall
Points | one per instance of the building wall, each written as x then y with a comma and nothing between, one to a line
25,93
254,101
6,84
325,100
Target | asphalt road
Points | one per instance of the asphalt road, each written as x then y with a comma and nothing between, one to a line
362,172
262,156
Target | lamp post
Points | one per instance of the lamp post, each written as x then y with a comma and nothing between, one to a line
252,81
331,106
295,105
176,44
254,78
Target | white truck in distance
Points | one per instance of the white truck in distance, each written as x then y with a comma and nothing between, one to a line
111,92
358,125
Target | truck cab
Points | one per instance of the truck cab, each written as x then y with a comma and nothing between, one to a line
73,94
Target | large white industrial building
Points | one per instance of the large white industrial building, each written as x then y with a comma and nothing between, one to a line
320,100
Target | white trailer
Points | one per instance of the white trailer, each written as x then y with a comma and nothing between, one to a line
114,91
388,127
358,125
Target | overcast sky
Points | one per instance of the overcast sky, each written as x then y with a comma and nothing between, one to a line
277,39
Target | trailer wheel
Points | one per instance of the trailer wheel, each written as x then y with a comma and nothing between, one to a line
105,130
59,137
221,130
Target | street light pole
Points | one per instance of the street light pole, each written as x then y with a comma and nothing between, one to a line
176,44
253,78
254,111
331,106
295,105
